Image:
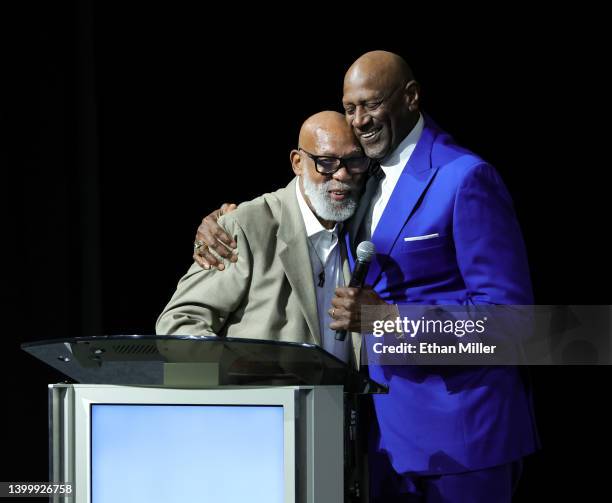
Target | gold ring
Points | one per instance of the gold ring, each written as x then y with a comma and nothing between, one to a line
333,312
197,245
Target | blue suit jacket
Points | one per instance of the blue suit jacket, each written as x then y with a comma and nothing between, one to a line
449,419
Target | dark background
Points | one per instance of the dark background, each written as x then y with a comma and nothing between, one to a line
126,124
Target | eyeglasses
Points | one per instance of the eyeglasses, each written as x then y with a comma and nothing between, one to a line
328,165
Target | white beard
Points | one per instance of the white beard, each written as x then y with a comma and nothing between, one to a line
324,206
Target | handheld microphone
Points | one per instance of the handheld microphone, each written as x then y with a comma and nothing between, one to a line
365,252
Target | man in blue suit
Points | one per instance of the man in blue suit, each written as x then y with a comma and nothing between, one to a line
446,234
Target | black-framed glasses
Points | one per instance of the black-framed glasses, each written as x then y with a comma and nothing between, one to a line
328,165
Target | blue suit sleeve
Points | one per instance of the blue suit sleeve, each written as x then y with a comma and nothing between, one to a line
490,251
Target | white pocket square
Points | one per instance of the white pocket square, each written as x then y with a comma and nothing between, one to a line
421,238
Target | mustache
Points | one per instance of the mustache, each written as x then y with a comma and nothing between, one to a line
335,185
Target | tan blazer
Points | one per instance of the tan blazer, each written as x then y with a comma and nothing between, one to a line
268,293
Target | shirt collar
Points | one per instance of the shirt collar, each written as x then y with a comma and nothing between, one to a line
313,226
396,161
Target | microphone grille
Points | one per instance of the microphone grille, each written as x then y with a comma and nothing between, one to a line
365,251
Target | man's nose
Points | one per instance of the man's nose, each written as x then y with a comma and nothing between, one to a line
361,118
342,175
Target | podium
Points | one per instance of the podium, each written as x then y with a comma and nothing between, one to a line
185,418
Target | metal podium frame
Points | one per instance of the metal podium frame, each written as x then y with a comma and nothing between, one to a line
311,384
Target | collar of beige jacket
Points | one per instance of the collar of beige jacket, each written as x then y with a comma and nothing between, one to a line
293,253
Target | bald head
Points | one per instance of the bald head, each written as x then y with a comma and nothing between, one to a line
380,68
381,101
325,132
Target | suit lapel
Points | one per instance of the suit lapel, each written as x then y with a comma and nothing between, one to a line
412,184
293,253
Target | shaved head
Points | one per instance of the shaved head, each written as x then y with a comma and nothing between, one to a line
325,130
380,68
381,101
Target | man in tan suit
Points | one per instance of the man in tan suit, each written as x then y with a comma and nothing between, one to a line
290,259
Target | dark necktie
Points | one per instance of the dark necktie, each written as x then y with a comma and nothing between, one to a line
376,171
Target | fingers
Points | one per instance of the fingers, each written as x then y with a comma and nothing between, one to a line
345,304
339,318
345,314
210,259
345,310
345,324
221,249
219,232
215,241
201,261
227,208
206,259
347,291
216,238
213,234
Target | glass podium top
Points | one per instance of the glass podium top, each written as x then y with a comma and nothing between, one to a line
194,361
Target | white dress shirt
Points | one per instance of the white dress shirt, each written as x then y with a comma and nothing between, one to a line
392,165
324,252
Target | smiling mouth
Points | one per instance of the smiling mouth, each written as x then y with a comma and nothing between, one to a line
370,134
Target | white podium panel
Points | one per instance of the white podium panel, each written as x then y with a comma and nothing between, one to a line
160,453
223,445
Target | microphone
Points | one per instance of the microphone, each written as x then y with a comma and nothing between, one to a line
365,252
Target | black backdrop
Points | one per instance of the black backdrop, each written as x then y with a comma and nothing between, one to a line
129,123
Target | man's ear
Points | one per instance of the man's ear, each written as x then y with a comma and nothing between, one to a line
412,93
295,159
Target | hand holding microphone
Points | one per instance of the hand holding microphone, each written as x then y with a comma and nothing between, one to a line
346,305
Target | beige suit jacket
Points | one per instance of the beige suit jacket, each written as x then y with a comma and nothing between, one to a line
268,293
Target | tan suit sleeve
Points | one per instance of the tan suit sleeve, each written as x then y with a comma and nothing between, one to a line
205,298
